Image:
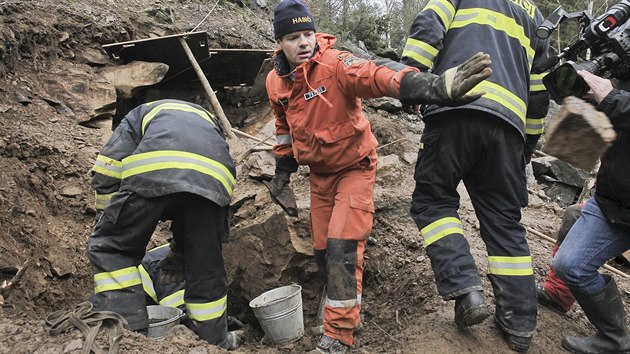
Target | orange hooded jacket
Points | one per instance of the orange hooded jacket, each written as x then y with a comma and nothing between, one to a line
319,119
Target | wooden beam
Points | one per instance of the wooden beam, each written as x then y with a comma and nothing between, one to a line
243,134
225,123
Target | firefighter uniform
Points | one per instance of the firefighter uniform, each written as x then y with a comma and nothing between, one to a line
319,122
485,144
168,160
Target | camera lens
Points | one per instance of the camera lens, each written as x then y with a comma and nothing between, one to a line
564,82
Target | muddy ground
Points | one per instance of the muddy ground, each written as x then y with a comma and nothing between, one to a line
50,59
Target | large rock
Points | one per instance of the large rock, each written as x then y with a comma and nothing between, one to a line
579,134
267,248
559,171
129,77
88,96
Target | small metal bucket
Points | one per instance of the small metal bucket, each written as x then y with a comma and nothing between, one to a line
161,319
279,312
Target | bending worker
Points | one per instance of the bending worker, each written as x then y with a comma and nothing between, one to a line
485,144
167,160
315,92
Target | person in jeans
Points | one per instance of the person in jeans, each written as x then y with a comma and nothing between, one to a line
602,231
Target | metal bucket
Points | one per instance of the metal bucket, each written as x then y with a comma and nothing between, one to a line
161,319
279,312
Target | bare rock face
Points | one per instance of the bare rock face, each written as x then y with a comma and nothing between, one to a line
87,96
127,78
579,134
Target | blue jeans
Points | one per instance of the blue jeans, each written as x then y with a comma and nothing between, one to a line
591,242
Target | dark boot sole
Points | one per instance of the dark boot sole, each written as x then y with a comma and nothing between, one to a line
472,316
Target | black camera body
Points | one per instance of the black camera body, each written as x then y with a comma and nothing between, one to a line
607,37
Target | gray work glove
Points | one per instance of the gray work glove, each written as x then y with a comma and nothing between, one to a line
449,89
172,268
234,339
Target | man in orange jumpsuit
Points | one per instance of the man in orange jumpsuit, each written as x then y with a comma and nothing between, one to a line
315,92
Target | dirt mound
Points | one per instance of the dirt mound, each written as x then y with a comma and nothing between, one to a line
50,57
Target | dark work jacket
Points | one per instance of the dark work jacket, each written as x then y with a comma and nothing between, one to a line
613,179
447,32
165,147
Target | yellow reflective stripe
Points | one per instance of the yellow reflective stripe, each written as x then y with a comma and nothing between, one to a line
536,83
165,159
444,9
116,280
441,228
107,166
504,97
174,106
208,310
535,126
147,283
176,299
420,51
496,20
504,265
100,200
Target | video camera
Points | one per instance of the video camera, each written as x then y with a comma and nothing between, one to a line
608,38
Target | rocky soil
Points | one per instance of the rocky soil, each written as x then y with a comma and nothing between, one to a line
54,109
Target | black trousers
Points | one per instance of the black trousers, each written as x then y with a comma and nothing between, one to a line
486,153
119,242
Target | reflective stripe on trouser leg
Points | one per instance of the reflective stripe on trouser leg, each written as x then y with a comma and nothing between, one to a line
497,188
344,261
453,266
200,226
115,249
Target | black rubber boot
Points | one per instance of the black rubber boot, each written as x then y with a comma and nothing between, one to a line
605,311
516,343
470,309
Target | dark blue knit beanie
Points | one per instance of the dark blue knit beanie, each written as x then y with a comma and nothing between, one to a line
292,16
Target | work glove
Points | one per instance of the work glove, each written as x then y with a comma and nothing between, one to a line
172,268
284,167
234,339
449,89
279,182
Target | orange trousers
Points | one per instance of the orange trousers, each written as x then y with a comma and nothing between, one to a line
342,210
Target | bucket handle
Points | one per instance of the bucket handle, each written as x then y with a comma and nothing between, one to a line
170,320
